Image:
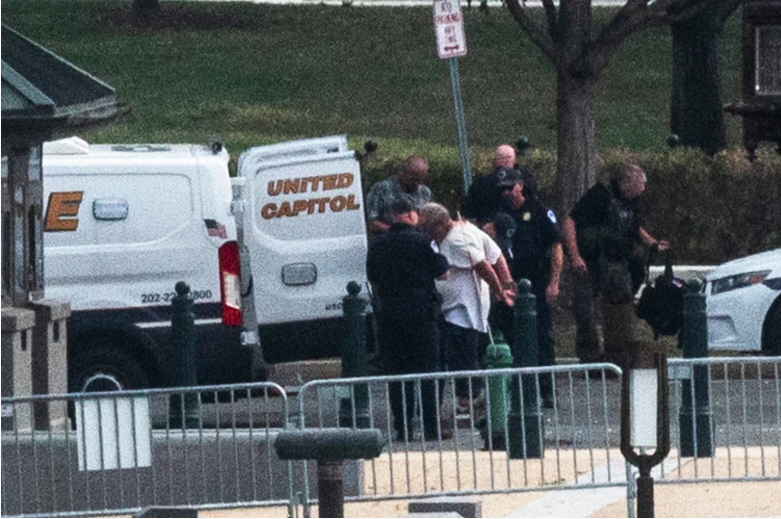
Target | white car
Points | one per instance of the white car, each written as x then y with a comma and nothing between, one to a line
744,304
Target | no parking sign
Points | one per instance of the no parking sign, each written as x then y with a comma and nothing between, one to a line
449,26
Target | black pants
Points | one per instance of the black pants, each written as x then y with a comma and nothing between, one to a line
503,317
409,347
461,346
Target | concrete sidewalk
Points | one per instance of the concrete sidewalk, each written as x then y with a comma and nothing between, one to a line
700,500
673,499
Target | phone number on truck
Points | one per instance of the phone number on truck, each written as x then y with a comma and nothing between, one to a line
167,297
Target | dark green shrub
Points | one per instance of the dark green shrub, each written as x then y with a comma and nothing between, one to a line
710,209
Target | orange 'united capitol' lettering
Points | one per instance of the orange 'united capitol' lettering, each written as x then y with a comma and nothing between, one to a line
312,205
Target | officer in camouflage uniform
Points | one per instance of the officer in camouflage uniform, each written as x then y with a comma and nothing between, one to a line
601,235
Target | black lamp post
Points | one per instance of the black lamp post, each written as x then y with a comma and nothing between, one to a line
645,421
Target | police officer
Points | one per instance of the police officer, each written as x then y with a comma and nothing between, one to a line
601,233
402,267
484,201
537,255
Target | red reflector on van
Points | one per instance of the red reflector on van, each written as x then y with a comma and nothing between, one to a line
230,283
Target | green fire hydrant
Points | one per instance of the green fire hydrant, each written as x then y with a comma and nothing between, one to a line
497,356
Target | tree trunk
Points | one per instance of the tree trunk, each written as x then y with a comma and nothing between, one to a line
696,114
577,142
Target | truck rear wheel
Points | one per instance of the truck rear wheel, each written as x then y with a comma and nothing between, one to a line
105,370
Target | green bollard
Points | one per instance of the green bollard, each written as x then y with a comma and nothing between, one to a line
525,426
694,418
497,356
183,360
355,359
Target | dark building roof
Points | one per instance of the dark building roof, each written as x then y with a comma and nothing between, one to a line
44,96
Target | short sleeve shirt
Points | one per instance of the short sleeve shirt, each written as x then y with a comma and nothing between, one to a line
537,231
384,193
466,298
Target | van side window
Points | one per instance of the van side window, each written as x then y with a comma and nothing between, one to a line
110,208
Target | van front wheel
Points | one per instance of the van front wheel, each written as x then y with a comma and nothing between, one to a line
105,370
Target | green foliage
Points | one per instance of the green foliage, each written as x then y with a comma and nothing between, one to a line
262,73
258,74
710,209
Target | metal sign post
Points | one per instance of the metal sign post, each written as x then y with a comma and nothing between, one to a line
451,43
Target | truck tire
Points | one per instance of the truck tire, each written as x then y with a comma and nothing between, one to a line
106,369
771,331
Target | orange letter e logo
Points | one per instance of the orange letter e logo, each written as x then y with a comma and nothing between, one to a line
63,211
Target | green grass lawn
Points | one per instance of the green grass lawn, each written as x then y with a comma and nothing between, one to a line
254,74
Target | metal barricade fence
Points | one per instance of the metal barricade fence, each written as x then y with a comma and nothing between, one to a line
462,449
212,446
204,447
725,416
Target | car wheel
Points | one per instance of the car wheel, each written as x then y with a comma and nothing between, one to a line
771,331
106,370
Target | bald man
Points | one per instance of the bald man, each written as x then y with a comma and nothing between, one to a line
407,185
484,200
504,155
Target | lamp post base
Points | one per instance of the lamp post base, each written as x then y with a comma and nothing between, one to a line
645,496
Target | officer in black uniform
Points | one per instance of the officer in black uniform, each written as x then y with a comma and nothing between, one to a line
537,255
483,201
402,267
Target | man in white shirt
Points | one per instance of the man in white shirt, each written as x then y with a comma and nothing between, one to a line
477,270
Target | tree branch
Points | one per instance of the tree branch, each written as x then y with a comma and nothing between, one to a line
679,10
634,16
637,15
535,32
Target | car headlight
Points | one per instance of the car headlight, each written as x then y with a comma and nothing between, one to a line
738,281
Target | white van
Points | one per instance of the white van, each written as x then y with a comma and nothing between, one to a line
122,224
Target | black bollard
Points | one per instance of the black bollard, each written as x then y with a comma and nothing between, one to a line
330,448
525,427
694,418
183,359
645,495
354,410
330,488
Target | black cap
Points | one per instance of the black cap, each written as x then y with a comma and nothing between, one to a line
507,177
401,206
504,226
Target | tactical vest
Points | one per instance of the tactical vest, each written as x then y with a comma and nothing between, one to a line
614,238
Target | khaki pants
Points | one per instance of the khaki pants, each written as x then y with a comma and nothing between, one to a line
617,309
584,299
